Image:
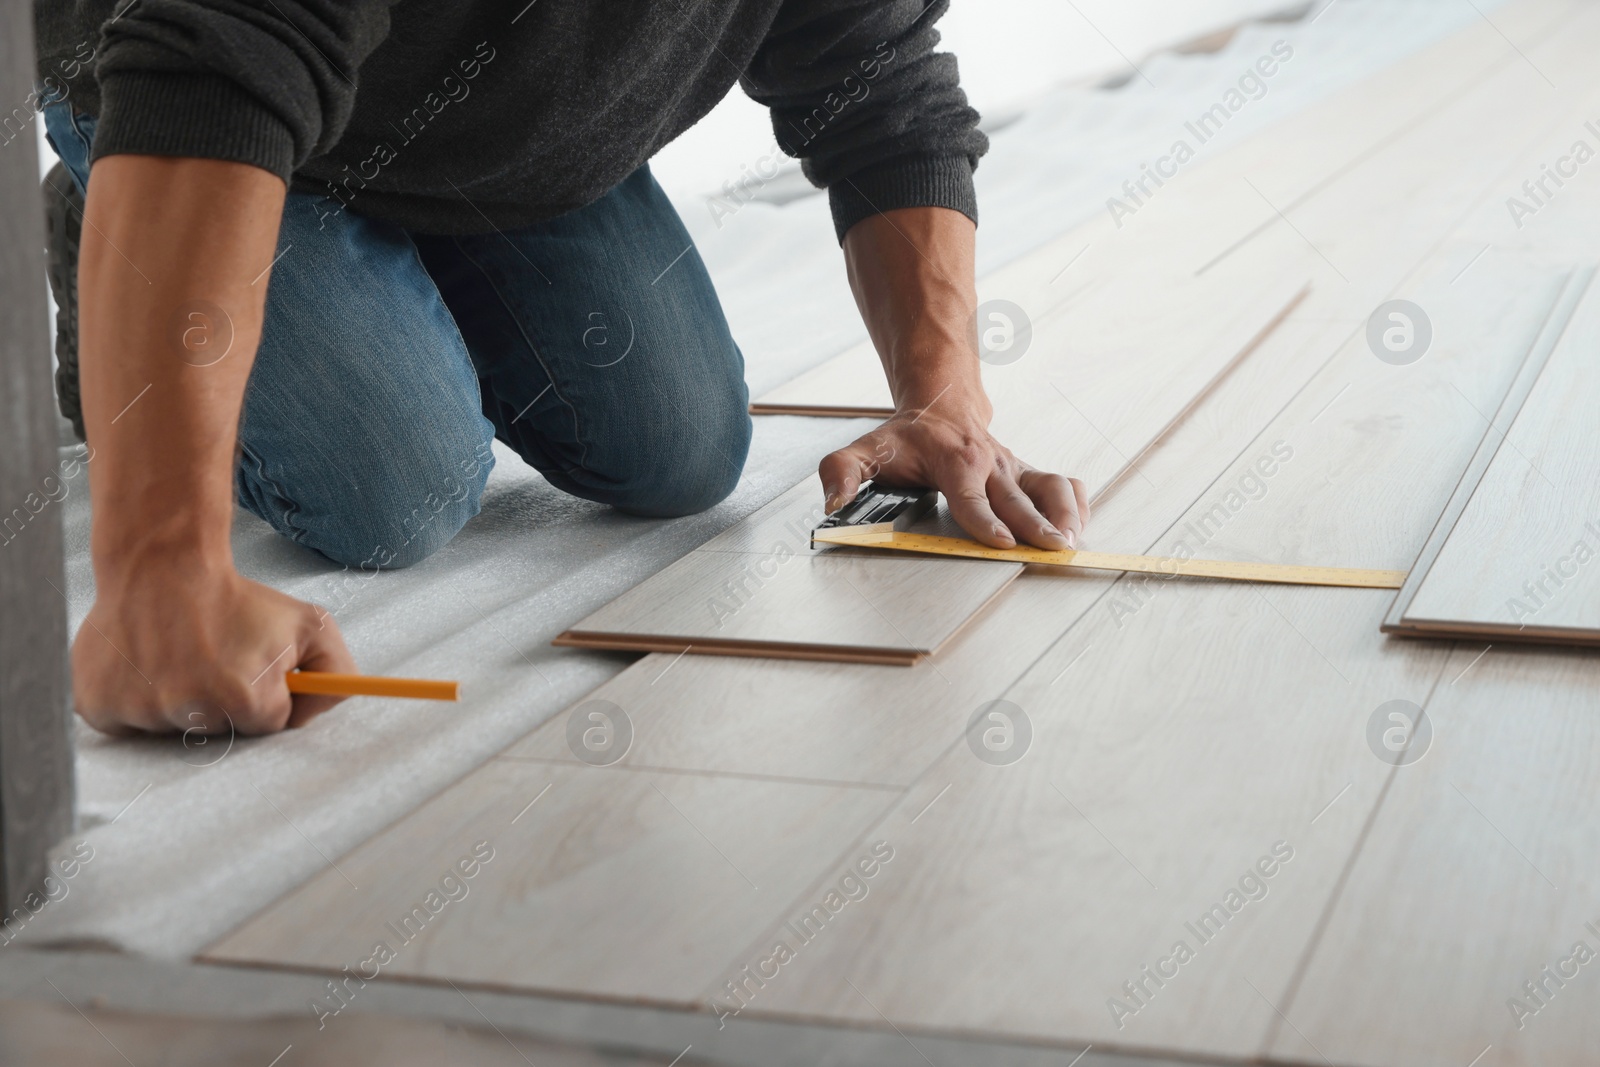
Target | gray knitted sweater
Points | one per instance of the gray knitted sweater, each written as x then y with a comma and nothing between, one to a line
458,116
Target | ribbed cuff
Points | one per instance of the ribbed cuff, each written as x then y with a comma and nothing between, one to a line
911,181
197,115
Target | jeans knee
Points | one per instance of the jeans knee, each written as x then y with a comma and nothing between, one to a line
699,470
425,529
389,532
383,523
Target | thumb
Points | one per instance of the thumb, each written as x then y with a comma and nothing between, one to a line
321,648
842,473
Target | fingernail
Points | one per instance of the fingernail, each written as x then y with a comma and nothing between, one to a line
1002,533
1072,539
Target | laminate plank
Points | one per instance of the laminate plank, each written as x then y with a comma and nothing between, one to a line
792,604
1514,564
93,1035
1533,365
1361,423
1117,374
1311,153
792,650
852,381
714,857
823,411
1477,876
1177,749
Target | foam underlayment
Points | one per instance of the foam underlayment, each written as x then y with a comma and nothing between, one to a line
190,839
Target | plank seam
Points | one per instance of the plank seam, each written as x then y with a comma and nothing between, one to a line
1545,343
650,768
1292,990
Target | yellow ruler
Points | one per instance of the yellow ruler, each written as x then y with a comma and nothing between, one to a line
1288,573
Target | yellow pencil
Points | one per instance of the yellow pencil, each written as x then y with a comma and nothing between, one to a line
367,685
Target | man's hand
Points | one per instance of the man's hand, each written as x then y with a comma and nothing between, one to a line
912,274
172,277
996,497
172,648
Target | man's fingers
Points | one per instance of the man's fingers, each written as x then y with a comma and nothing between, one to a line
969,506
1018,512
995,498
1056,498
1080,493
842,473
322,648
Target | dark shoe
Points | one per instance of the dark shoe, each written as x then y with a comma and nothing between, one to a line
63,211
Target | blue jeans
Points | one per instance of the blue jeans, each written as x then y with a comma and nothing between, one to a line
593,345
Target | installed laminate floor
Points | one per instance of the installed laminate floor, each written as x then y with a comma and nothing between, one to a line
1476,885
1116,829
1183,761
1514,562
664,876
704,861
38,1033
797,605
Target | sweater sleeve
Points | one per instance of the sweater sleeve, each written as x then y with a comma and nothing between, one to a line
269,84
874,114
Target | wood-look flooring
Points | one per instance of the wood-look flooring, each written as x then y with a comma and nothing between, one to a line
1510,559
1195,762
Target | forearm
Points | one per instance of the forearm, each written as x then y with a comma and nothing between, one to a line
912,274
172,281
172,277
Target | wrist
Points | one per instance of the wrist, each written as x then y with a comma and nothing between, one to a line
952,397
179,544
935,359
160,503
